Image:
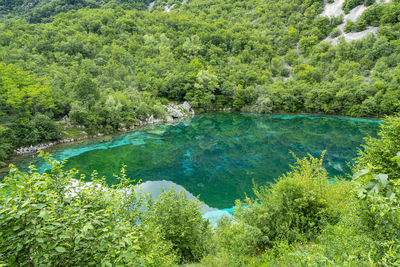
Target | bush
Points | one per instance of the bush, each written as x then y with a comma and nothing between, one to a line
348,5
263,104
39,129
181,222
238,239
335,33
349,26
6,147
297,207
50,219
379,152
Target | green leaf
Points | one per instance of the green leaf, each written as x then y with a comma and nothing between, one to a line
60,249
374,190
43,214
38,206
361,173
382,178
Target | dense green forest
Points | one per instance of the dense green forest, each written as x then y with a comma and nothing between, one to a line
107,68
36,11
305,219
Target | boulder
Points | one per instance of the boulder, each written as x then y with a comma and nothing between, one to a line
150,120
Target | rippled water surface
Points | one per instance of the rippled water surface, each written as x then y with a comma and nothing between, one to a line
219,156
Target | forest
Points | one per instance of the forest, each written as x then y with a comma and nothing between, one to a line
106,65
107,68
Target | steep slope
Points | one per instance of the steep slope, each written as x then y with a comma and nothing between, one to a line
335,9
109,68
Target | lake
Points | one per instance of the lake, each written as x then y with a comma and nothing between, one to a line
219,156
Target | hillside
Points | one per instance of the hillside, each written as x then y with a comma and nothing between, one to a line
107,68
37,11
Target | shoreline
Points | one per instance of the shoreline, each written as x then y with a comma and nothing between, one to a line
10,160
25,151
174,111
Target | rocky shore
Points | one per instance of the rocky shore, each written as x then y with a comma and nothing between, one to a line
175,111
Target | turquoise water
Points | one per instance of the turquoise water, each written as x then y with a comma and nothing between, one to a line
219,156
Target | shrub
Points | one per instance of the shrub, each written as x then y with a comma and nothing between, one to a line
263,104
39,129
379,152
181,222
335,33
297,207
5,144
348,5
50,219
238,239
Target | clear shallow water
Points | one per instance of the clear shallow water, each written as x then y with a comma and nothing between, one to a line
219,155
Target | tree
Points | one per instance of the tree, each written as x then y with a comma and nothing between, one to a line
23,92
86,89
180,219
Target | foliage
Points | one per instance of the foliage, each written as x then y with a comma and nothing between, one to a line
39,129
5,144
296,207
379,153
45,10
108,65
23,92
305,218
53,219
180,220
348,5
111,65
24,100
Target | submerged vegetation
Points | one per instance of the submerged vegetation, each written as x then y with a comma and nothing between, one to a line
305,218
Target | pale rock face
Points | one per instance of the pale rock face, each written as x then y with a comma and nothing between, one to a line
168,9
348,37
174,113
179,111
186,106
335,9
355,13
150,120
150,7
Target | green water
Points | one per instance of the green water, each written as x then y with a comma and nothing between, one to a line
218,156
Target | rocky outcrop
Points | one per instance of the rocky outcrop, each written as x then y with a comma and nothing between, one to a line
175,111
179,111
43,146
335,10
